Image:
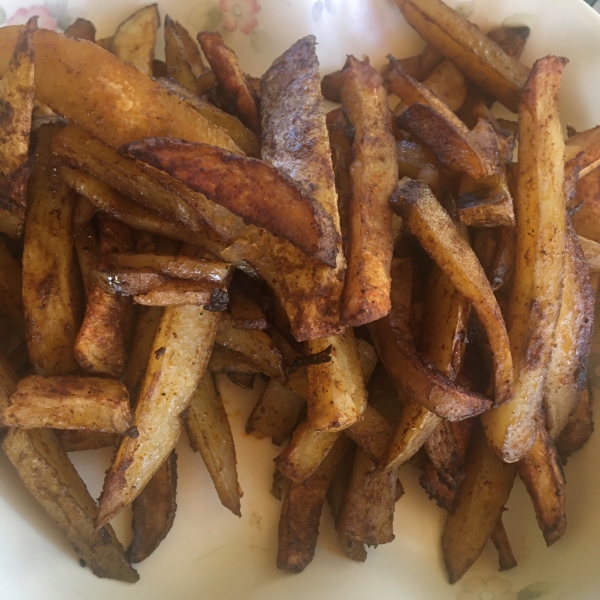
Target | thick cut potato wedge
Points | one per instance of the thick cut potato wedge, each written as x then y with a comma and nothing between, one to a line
50,476
536,293
232,85
247,187
567,373
301,513
70,402
440,238
178,358
541,472
113,101
479,504
48,291
135,38
210,434
16,107
481,59
153,511
179,68
373,175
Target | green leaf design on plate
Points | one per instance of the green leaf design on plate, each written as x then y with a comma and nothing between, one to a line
213,18
2,16
540,589
260,40
203,18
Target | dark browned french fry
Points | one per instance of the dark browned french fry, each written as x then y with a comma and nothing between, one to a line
495,249
11,301
506,558
82,29
541,472
153,511
223,360
245,312
301,513
179,67
77,440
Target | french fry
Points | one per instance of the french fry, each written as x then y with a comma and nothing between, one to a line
541,472
181,292
223,360
179,68
448,83
535,299
82,29
481,59
8,382
506,558
245,312
11,301
247,187
48,295
210,434
588,143
429,221
479,503
587,218
70,402
78,440
135,38
17,94
373,175
49,475
178,357
154,511
233,87
579,426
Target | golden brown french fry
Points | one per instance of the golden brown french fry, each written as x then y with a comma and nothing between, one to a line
78,440
233,87
135,38
301,513
438,235
479,504
481,59
495,249
178,358
372,434
535,298
506,558
567,373
82,29
84,83
584,148
541,472
276,413
587,218
49,475
373,175
238,132
245,312
223,360
367,514
210,434
178,67
448,83
247,187
70,402
579,427
181,292
153,511
17,93
48,293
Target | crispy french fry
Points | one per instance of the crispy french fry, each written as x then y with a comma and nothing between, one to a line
78,440
542,474
495,249
181,292
178,357
506,558
245,312
11,301
70,402
583,147
481,59
17,93
442,241
448,83
579,427
535,299
210,434
179,68
223,360
587,218
49,475
82,29
373,175
154,511
135,38
233,87
48,294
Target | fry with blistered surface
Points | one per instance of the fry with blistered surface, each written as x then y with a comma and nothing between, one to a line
233,88
178,357
247,187
479,504
135,38
210,434
373,176
49,475
49,296
481,59
301,513
535,297
440,238
17,94
541,472
70,402
153,511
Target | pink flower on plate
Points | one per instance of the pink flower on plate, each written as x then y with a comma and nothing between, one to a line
45,21
492,588
239,13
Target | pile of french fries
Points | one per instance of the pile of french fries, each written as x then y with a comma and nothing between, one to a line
413,287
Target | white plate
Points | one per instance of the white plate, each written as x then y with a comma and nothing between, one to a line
209,552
